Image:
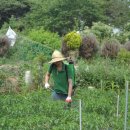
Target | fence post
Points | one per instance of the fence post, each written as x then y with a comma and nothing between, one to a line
80,114
126,106
118,98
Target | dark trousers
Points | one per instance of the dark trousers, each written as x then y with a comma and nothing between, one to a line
58,96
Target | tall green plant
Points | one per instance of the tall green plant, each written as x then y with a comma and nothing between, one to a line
73,40
101,30
45,37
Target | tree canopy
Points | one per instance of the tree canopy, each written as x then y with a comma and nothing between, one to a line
63,16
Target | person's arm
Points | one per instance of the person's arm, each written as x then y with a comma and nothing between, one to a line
70,84
70,87
47,77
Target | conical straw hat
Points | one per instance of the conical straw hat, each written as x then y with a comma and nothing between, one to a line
57,56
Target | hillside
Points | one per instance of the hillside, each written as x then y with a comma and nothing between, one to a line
83,30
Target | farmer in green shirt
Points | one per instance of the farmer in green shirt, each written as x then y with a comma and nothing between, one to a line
62,80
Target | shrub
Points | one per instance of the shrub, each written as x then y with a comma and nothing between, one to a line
110,48
88,47
27,50
123,55
64,49
45,37
101,30
102,73
2,78
4,46
127,46
72,40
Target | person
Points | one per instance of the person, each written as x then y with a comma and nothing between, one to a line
62,89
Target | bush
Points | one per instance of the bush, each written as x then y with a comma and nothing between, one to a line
4,46
101,30
102,73
72,40
127,46
88,47
123,55
45,37
27,50
64,49
110,48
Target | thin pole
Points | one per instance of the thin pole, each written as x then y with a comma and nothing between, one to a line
117,114
126,106
80,115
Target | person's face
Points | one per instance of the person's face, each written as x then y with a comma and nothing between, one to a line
58,63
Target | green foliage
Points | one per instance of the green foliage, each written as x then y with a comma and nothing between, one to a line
45,37
127,26
126,32
123,55
27,50
73,40
110,48
117,12
12,7
38,70
2,78
8,72
40,59
55,17
35,110
101,30
100,72
120,37
4,45
16,24
127,45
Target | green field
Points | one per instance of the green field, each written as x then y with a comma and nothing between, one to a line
36,111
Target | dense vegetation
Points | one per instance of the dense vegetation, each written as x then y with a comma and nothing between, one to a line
82,29
36,111
63,16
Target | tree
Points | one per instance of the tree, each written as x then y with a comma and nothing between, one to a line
64,16
12,7
118,12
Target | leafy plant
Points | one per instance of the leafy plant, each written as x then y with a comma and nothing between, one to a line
27,110
110,48
4,45
101,30
127,45
45,37
72,40
88,47
100,72
123,55
26,50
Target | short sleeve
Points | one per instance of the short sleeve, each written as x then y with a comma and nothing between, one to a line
50,69
69,72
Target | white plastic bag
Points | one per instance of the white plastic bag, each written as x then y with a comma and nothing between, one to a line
11,36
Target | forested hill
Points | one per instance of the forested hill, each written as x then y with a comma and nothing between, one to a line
62,15
10,8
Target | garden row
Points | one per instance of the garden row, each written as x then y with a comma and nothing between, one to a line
37,111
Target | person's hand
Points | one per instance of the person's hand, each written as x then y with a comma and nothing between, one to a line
47,85
68,99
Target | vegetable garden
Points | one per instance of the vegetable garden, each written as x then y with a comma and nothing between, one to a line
80,30
36,110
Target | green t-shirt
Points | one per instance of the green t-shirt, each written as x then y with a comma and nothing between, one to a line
60,78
